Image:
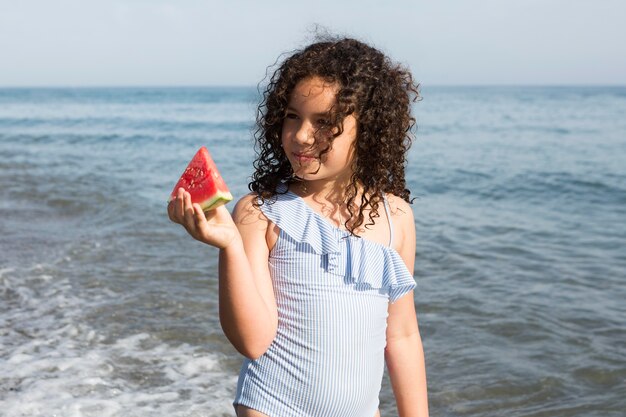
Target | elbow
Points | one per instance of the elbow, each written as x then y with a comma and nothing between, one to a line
252,354
253,351
252,339
250,345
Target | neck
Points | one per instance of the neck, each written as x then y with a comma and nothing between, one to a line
331,190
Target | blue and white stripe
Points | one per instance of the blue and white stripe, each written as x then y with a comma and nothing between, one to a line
332,292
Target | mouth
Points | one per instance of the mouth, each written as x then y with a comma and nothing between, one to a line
303,158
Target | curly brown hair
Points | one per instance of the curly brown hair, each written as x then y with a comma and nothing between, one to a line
375,90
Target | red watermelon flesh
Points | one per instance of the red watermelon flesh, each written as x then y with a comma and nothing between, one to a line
203,181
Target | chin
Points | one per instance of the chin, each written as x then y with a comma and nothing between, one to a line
304,172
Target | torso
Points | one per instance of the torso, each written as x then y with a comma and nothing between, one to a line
317,363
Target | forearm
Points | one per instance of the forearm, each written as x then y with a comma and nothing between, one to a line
407,372
247,320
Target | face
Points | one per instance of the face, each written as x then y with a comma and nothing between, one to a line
307,113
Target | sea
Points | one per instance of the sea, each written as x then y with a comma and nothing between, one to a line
109,309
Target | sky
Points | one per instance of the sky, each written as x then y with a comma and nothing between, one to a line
232,42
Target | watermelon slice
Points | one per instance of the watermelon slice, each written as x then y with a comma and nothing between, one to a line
203,181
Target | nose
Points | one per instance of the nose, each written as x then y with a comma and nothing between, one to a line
305,134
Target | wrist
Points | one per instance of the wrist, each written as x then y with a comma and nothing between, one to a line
234,243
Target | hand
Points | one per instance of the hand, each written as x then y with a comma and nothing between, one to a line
216,228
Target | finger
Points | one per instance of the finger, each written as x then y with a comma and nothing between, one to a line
222,214
171,206
201,221
170,209
209,215
180,203
176,205
189,212
199,213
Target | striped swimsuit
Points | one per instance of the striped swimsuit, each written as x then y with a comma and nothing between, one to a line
332,292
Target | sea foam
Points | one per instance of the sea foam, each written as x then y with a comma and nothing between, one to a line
56,364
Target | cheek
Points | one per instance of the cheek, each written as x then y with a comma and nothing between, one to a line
345,146
349,156
286,132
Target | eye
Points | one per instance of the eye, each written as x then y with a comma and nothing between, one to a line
292,116
323,123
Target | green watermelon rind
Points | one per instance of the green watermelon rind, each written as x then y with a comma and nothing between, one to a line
208,205
219,199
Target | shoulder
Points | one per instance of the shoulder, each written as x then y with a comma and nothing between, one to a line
401,211
251,220
247,212
404,229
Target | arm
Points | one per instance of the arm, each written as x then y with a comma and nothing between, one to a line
247,306
404,354
248,311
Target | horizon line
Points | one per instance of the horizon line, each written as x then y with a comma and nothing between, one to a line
246,86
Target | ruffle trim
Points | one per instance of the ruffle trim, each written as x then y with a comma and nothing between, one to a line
367,264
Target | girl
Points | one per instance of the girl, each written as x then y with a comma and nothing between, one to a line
316,264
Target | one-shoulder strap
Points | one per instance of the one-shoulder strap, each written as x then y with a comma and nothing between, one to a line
388,220
295,218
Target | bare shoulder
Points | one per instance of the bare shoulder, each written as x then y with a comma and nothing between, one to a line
250,220
246,212
401,211
404,228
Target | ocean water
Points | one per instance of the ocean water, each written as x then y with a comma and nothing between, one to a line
109,309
